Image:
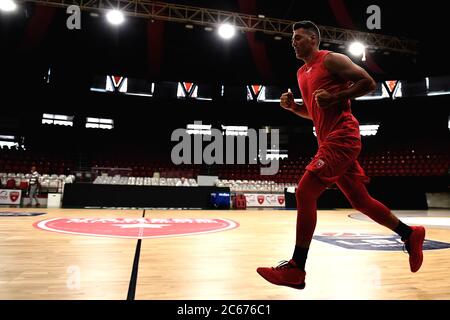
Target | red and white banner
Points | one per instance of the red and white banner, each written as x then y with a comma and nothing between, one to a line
266,200
10,196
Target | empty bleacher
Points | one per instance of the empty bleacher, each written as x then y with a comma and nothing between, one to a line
145,171
48,183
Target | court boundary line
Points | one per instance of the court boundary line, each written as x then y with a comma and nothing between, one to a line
134,272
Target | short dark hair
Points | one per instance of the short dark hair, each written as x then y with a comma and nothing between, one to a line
308,26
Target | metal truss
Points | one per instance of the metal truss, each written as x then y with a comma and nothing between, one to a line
213,18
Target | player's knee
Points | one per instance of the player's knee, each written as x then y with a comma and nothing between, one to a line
308,190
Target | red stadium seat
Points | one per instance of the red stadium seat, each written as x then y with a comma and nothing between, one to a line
11,184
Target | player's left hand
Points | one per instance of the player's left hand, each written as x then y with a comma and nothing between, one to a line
324,99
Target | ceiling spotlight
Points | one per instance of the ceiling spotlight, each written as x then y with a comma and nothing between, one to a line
277,38
226,31
208,29
115,17
189,26
8,5
357,48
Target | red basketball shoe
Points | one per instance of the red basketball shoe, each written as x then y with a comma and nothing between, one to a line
285,274
414,246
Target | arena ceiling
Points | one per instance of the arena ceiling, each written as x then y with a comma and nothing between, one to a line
36,39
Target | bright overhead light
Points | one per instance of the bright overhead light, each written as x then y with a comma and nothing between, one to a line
115,17
357,48
8,5
226,31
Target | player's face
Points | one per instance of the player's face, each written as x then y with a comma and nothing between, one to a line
302,42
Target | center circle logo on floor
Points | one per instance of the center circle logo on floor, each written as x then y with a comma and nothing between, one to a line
135,228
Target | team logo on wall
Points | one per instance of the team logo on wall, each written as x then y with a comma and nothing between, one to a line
187,89
8,196
365,241
260,199
255,92
135,228
14,195
264,200
116,84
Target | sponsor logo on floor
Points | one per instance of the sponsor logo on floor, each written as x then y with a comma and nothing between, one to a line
366,241
20,214
136,228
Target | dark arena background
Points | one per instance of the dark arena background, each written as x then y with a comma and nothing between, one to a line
95,107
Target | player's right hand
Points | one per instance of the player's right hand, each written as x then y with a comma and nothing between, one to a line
287,100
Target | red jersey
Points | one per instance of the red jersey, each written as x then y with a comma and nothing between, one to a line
336,120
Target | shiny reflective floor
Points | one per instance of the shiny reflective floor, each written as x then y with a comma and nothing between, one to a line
43,264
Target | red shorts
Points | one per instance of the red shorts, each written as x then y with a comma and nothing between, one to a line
337,157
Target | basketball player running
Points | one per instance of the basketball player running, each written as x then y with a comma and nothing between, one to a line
327,82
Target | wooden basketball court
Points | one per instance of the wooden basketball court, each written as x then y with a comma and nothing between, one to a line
40,264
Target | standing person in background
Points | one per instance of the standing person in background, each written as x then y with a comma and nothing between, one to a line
34,187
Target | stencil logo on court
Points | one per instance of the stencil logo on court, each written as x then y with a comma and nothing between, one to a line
135,228
364,241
